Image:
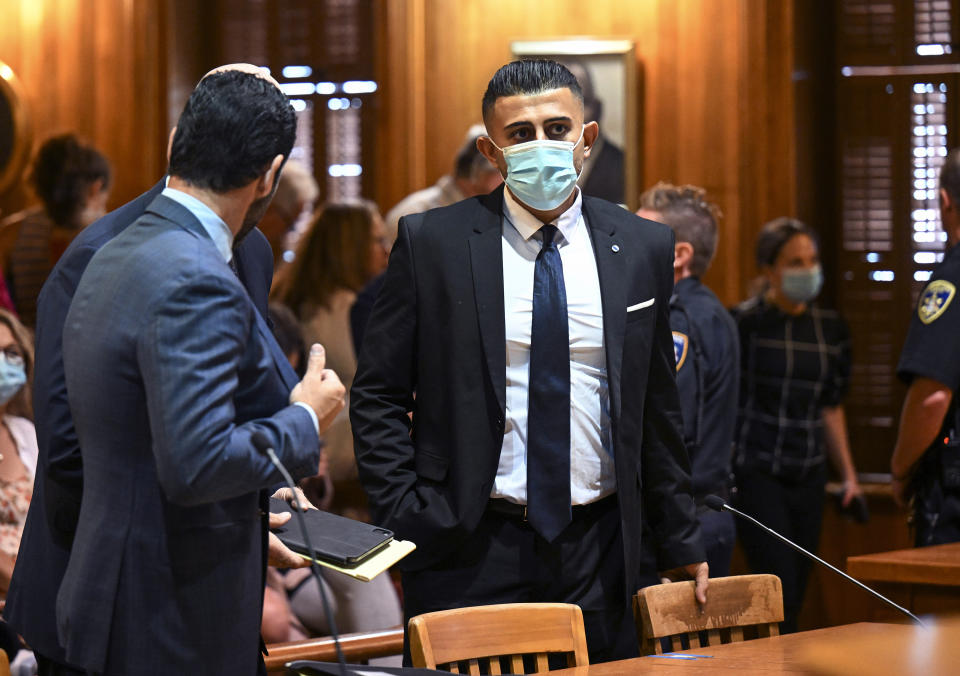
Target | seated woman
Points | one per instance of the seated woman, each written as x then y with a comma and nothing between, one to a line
18,439
292,608
343,249
18,452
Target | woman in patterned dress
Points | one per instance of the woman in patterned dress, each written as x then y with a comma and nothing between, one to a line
18,439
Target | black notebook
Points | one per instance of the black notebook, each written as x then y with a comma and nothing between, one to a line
337,539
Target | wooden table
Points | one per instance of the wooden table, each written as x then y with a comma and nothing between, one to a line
863,648
924,579
938,565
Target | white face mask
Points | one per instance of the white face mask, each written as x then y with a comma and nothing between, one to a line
541,174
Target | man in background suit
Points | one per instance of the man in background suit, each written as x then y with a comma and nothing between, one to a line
545,419
169,371
55,505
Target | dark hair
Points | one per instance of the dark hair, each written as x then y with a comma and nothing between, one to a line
470,160
528,76
688,213
286,329
775,234
63,171
950,175
332,254
232,127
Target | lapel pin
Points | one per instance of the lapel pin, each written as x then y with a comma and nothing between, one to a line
615,248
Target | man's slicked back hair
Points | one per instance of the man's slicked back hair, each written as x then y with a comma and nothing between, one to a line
232,127
691,217
526,77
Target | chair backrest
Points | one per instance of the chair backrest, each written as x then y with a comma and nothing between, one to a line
482,635
670,611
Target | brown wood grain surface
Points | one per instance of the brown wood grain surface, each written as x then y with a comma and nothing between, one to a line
862,648
96,68
937,565
356,648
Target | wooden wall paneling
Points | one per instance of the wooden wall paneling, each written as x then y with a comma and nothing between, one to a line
401,133
767,135
92,67
716,84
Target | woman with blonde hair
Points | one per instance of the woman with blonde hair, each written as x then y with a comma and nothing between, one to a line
343,249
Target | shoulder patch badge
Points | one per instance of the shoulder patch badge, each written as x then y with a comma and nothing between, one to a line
680,345
933,301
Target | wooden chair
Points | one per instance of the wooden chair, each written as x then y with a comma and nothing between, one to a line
484,634
357,649
670,611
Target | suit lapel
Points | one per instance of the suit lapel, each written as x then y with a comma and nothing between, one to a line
486,262
287,374
611,267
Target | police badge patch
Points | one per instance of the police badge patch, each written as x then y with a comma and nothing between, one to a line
680,344
933,302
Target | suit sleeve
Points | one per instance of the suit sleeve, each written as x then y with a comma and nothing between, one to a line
383,394
667,491
189,354
57,438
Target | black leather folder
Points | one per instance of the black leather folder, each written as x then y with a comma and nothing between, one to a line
336,539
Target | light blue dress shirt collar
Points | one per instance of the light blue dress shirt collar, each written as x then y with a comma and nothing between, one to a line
212,224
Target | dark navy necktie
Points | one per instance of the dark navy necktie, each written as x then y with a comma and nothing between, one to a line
548,413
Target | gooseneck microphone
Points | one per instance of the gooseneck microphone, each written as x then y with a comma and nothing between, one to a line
263,444
716,503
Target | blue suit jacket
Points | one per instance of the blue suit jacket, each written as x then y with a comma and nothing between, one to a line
51,521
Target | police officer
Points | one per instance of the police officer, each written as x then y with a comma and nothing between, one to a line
926,460
708,357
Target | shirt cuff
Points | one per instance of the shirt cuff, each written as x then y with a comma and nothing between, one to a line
313,414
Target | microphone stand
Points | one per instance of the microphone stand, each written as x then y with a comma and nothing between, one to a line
262,443
716,503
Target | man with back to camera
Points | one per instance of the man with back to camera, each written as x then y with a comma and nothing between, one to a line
530,388
169,371
707,351
54,507
926,461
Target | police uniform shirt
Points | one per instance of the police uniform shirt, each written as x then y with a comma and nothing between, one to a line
932,348
708,368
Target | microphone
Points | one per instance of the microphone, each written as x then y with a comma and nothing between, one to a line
263,444
716,503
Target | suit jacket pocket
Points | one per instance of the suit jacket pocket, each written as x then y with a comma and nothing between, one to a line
641,314
430,467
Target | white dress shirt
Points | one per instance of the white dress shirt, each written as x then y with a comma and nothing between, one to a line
591,446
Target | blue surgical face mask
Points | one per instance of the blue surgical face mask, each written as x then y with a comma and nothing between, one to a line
802,285
13,377
541,174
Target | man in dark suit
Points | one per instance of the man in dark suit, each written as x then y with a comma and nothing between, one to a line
169,371
55,505
528,332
